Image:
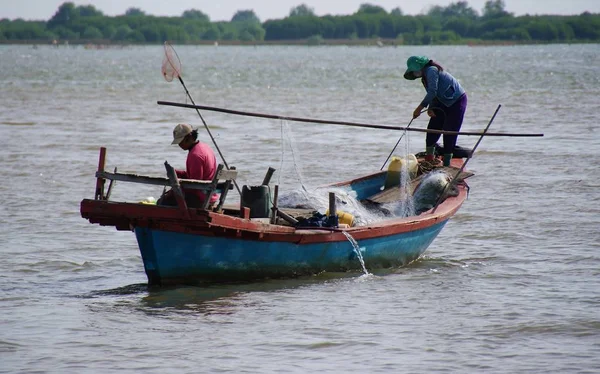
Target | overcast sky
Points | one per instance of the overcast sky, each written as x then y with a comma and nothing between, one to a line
219,10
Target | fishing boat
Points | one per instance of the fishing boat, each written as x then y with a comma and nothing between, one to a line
224,242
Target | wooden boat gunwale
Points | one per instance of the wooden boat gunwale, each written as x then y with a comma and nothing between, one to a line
127,215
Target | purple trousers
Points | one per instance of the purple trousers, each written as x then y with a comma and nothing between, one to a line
447,119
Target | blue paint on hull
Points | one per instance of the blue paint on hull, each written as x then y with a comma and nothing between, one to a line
171,257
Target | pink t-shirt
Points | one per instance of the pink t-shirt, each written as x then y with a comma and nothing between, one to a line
201,164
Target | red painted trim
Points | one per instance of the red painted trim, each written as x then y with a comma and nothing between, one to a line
124,216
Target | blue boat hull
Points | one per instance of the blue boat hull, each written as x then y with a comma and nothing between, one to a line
174,257
181,244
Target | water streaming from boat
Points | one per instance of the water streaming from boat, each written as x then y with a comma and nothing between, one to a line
357,251
407,204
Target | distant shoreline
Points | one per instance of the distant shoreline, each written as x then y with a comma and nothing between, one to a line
101,44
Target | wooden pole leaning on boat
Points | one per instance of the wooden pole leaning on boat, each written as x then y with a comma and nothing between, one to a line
176,188
341,123
332,209
99,195
268,176
455,178
286,217
110,186
224,191
274,209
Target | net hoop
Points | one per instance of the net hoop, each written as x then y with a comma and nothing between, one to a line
171,65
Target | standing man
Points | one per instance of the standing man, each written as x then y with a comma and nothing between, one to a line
446,101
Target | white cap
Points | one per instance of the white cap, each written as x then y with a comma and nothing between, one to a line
181,131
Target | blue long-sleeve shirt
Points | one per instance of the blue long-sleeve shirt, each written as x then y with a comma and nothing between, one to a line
442,86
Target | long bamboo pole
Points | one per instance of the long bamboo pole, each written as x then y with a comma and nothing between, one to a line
342,123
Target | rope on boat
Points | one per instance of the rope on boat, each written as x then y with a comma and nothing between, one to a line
285,129
426,166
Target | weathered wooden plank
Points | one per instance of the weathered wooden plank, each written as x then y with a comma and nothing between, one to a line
213,187
176,188
110,186
99,195
190,184
396,193
332,207
291,220
388,195
297,212
224,192
225,174
275,197
268,176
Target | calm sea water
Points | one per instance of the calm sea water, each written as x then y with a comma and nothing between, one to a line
510,286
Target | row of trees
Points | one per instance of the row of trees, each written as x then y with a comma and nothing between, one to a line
449,24
74,23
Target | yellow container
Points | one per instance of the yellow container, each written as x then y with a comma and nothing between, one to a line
392,178
148,201
343,217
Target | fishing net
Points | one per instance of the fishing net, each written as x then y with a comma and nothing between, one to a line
171,65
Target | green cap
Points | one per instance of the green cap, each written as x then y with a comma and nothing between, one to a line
413,64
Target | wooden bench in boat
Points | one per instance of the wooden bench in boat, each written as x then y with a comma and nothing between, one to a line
190,184
296,213
222,181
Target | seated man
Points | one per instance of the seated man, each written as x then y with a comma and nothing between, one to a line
201,164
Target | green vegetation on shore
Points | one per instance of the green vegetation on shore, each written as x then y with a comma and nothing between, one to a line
457,23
